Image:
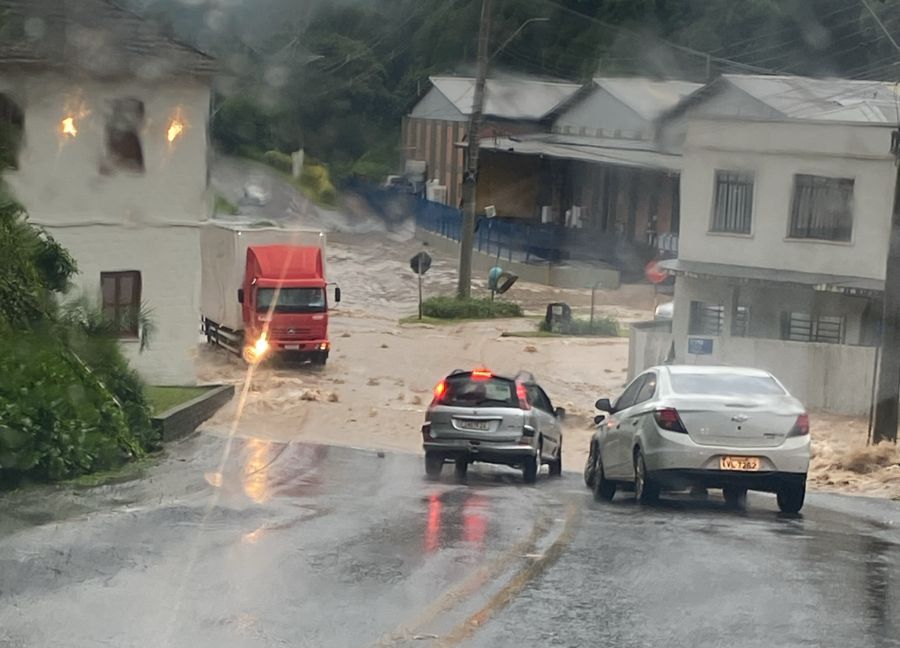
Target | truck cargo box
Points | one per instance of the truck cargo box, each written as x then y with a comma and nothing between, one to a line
223,254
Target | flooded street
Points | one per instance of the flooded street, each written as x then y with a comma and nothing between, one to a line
307,545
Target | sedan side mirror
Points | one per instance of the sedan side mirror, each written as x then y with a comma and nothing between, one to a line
240,295
604,405
337,295
599,419
560,413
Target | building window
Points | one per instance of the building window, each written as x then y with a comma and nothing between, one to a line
803,327
740,322
123,141
733,202
706,318
122,300
822,208
12,125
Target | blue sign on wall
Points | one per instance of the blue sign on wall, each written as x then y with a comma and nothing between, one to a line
700,346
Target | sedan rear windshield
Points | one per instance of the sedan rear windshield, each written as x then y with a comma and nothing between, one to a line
725,385
465,391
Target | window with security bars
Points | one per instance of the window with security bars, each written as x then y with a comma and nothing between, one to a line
740,322
733,202
803,327
822,208
121,292
706,318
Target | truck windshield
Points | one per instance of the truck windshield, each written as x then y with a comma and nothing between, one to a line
291,300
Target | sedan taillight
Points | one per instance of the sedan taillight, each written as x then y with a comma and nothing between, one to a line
667,418
801,426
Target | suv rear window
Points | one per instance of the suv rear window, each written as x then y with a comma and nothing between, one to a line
724,385
464,391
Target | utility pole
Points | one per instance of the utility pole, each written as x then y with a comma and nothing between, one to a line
470,175
888,390
887,395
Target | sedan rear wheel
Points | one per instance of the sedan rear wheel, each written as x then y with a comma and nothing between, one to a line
589,467
791,496
735,498
604,489
646,491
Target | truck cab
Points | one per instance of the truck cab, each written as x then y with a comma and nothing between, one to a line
285,302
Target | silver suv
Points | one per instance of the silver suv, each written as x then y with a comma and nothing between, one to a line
479,416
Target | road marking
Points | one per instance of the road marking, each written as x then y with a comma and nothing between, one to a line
455,594
518,582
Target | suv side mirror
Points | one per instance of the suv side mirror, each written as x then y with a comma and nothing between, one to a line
599,419
604,405
240,295
560,413
337,294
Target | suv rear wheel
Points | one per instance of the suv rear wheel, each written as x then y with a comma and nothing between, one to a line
556,464
434,464
462,468
532,465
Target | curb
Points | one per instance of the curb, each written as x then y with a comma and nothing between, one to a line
182,420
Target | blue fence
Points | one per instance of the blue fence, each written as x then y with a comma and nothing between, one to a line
507,238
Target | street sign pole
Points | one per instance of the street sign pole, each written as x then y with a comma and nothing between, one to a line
420,296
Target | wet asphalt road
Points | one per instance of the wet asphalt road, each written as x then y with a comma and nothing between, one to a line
299,545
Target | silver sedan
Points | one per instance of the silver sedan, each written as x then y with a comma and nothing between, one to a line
676,427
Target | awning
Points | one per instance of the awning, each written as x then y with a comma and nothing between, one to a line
814,280
584,150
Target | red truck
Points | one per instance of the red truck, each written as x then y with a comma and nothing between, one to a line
264,291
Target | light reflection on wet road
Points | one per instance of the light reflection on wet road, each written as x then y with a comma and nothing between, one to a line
319,546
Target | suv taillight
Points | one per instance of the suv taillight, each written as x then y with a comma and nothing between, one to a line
801,426
667,418
439,390
522,394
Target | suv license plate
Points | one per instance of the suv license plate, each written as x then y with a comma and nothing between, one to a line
744,464
475,426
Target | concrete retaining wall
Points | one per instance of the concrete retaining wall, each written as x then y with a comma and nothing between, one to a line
832,377
559,276
183,419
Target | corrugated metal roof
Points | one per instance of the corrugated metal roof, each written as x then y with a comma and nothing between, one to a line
94,36
587,149
822,99
649,98
508,98
816,280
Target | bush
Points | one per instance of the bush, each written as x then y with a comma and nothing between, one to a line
445,307
315,181
278,160
601,327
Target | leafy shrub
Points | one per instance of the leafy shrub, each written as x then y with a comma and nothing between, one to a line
316,182
279,160
601,327
446,307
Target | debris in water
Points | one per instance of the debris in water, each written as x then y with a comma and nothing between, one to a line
345,335
384,346
380,454
333,397
373,382
401,396
310,395
530,349
373,412
416,400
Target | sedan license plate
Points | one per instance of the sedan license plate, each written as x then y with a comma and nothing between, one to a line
475,426
744,464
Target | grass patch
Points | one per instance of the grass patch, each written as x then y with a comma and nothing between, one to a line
165,398
600,327
224,206
451,308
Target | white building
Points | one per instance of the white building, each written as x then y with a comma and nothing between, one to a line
113,162
786,198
